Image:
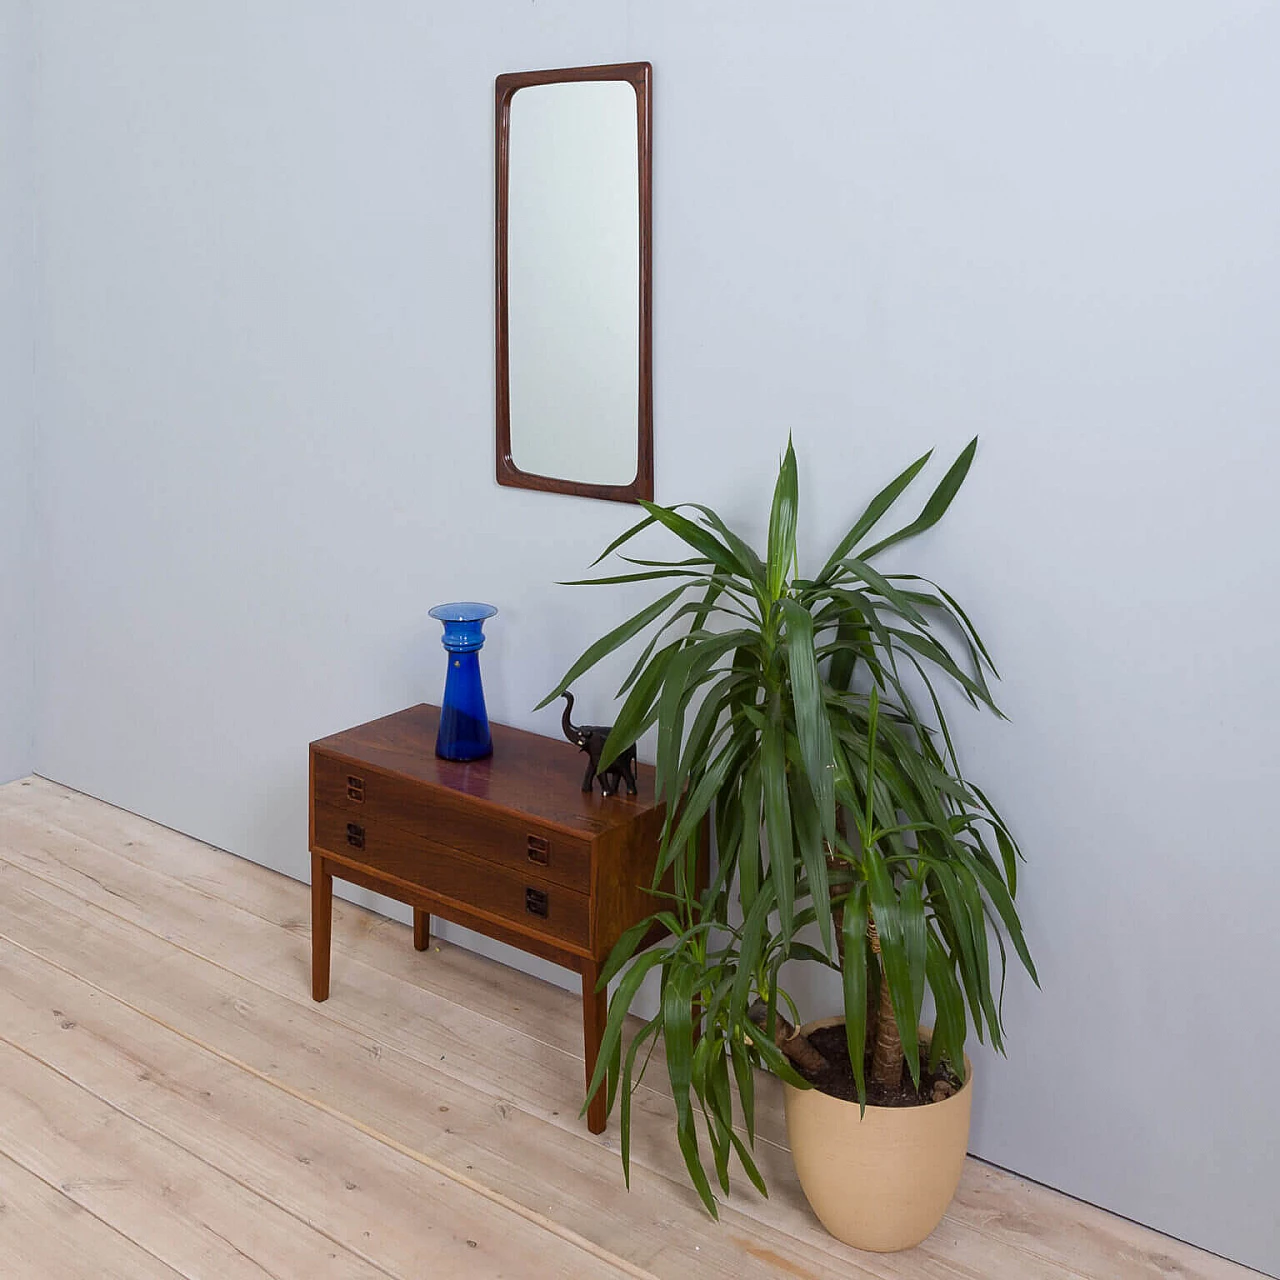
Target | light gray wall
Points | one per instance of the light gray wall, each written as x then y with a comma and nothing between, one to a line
266,392
17,629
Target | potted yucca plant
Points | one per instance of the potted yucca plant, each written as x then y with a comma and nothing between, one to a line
798,716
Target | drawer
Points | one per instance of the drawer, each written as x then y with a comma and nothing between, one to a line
446,818
530,902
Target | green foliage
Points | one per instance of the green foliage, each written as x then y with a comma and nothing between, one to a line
786,720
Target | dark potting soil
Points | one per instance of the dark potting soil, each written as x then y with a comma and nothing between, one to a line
838,1079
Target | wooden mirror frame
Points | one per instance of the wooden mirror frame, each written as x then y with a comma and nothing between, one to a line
638,75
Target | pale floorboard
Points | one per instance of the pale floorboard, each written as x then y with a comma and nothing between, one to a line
45,1233
423,1121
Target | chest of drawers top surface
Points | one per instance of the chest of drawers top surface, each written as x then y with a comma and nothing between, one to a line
528,775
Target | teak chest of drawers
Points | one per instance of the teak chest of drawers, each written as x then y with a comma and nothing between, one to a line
509,846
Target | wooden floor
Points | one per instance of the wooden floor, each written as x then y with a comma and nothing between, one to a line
173,1104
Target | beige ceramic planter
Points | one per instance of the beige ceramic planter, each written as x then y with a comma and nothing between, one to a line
883,1180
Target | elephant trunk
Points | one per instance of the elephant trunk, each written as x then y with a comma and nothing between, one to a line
569,731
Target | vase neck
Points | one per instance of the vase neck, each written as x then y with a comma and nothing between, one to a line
463,637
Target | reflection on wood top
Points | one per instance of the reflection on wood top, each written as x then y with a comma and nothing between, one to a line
528,774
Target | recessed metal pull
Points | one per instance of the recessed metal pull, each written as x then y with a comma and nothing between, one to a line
535,902
539,850
355,788
355,835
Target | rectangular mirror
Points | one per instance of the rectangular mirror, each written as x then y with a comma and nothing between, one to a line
573,290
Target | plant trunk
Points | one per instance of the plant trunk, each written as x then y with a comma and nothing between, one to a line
887,1057
806,1058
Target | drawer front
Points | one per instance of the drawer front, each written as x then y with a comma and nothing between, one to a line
529,902
444,818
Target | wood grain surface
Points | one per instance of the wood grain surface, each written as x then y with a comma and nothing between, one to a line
175,1104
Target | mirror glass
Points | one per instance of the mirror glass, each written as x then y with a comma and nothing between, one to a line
573,333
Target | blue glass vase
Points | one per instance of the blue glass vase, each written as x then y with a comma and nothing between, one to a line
464,723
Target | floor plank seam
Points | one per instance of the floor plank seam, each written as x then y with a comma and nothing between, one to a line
195,1155
83,1208
421,1157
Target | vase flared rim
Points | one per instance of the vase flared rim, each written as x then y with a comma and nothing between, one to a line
463,611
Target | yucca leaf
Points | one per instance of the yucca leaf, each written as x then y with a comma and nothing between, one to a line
939,714
777,821
950,608
853,969
1004,970
949,1019
869,817
743,1074
622,538
1008,856
748,1164
681,680
773,1057
812,726
699,539
975,689
721,1100
1003,903
615,639
852,637
937,505
914,937
648,575
782,524
749,847
750,560
698,610
813,856
624,1114
952,915
1009,851
860,570
677,1024
700,799
871,515
971,901
750,949
639,709
622,951
691,562
960,614
623,998
687,1137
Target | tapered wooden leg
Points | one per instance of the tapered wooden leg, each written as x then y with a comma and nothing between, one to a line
421,929
321,926
595,1009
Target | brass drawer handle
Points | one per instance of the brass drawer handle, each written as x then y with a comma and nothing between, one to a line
355,835
535,902
539,851
355,788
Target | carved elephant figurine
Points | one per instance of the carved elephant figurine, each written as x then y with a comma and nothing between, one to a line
591,739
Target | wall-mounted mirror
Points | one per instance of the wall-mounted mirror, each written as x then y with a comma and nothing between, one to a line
574,393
